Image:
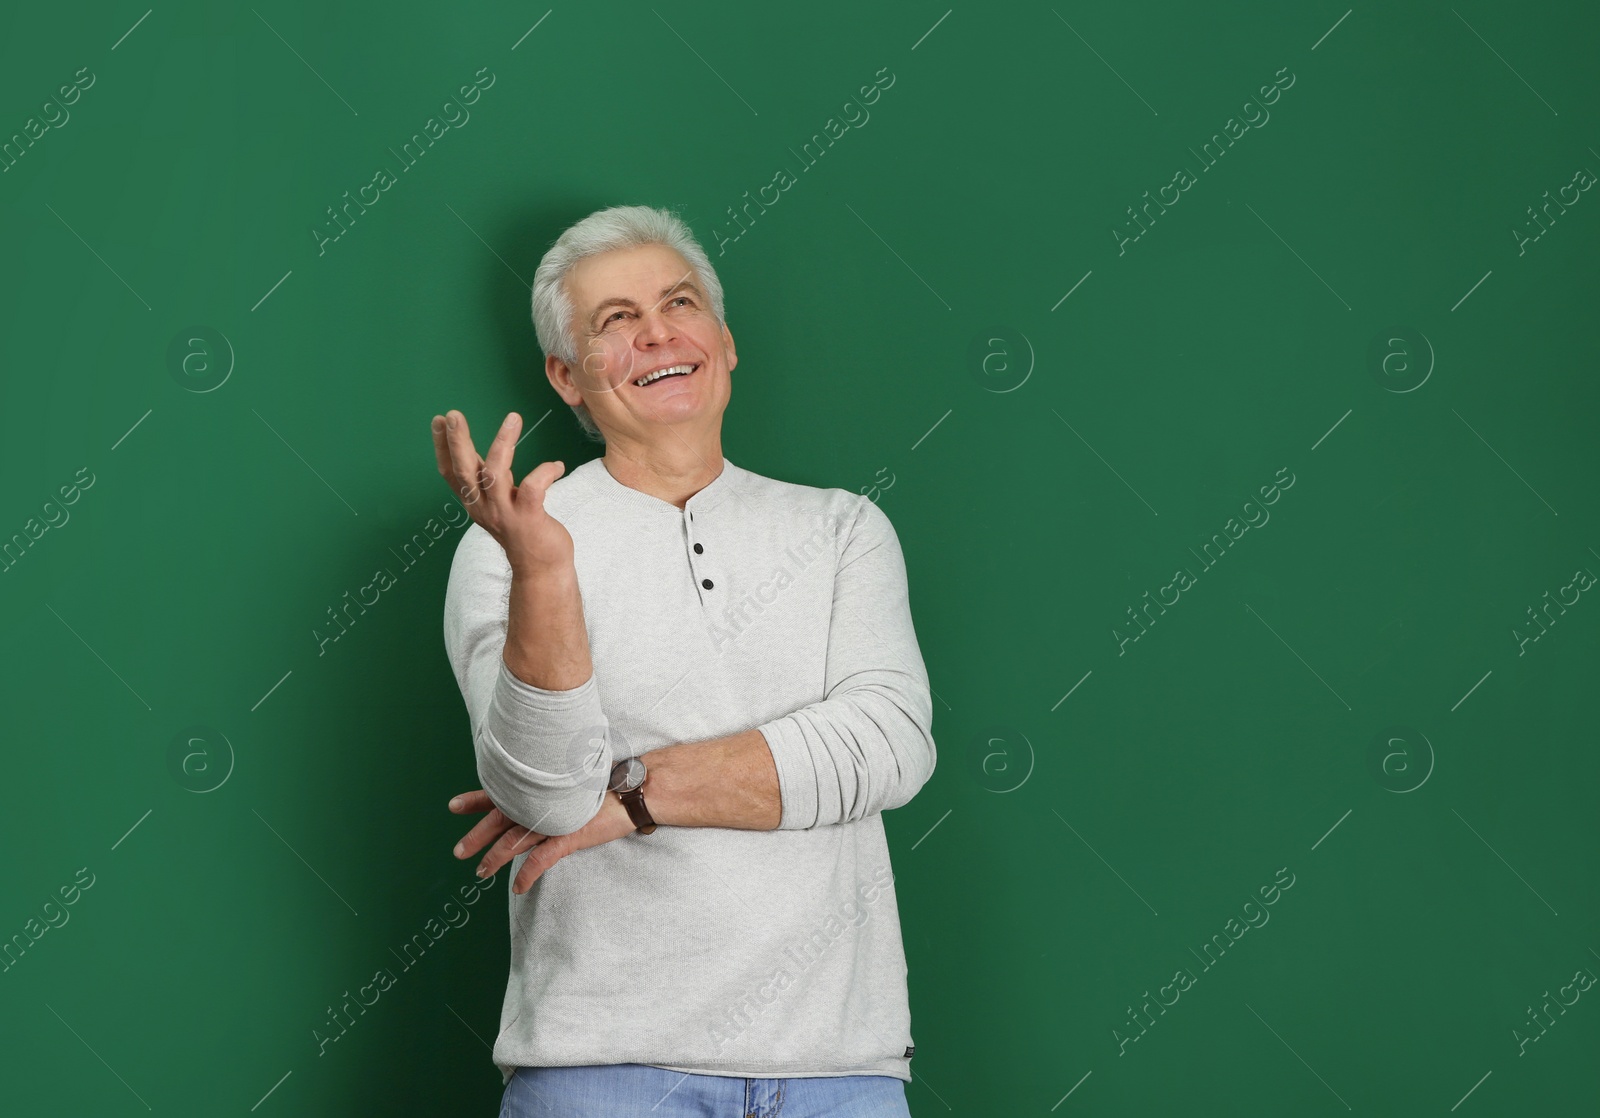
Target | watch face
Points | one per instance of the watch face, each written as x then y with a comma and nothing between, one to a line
627,775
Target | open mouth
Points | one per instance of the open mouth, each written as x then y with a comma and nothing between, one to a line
670,373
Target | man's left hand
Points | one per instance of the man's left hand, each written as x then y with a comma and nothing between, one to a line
511,838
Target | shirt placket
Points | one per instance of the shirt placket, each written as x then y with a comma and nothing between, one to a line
700,564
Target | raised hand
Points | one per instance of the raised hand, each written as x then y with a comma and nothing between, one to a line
513,514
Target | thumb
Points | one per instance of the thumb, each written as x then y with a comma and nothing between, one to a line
544,474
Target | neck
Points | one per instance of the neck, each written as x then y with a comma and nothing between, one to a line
671,473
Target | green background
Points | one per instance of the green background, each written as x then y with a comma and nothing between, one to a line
1072,851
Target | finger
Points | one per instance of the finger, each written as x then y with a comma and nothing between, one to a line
510,844
464,460
441,447
539,480
498,463
469,802
485,831
545,855
441,428
446,460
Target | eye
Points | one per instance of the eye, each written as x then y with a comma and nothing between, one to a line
685,298
611,316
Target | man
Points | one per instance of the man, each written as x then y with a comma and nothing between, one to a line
693,690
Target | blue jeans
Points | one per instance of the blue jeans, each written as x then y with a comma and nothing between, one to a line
642,1091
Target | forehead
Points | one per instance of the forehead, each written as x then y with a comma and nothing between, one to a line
639,272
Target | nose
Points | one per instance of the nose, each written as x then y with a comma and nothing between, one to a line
654,328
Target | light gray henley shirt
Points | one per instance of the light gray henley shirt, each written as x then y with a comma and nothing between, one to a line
759,954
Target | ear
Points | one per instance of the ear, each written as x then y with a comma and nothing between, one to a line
560,376
733,353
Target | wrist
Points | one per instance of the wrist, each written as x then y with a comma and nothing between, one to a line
657,787
526,569
628,779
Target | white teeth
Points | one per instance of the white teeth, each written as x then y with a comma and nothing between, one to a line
659,373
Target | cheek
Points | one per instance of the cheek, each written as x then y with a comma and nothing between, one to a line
606,366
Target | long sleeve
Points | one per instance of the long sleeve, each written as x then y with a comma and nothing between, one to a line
867,746
543,756
756,604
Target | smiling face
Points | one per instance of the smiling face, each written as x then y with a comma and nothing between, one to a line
637,311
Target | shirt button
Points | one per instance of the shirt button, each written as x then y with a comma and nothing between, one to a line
698,549
706,582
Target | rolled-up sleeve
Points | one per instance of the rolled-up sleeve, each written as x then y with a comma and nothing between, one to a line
867,746
543,756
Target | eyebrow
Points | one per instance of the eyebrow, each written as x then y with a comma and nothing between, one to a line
622,301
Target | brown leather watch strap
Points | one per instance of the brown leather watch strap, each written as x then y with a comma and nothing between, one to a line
634,802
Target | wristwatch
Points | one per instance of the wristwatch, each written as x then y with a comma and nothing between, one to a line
627,781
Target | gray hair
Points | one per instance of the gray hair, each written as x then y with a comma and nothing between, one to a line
602,231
